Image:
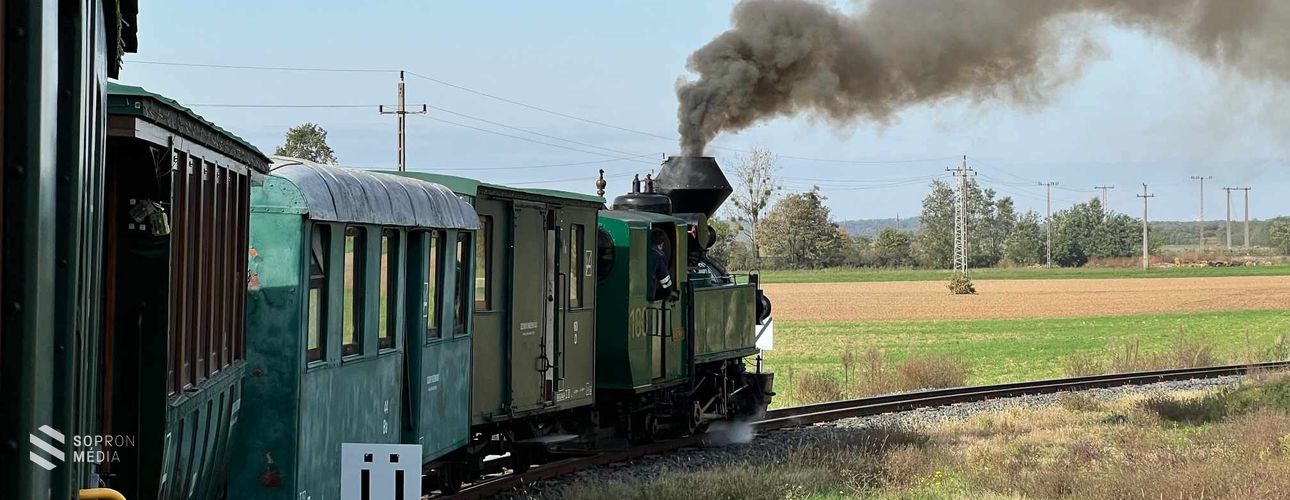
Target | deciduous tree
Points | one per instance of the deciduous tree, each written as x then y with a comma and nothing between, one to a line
1279,234
307,141
1024,245
799,232
894,248
755,188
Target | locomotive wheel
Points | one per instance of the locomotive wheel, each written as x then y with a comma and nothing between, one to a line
694,420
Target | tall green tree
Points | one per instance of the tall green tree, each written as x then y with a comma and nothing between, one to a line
936,235
307,141
1085,231
893,248
799,232
1279,234
1024,245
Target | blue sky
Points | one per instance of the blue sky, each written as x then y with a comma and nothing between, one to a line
1144,112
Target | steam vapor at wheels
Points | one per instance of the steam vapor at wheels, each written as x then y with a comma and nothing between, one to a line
784,57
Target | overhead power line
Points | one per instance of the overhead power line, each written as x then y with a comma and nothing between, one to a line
535,141
264,68
499,98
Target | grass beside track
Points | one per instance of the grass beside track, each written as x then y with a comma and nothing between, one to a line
1011,350
841,275
1185,444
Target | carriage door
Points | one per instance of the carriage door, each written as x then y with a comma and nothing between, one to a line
530,365
550,349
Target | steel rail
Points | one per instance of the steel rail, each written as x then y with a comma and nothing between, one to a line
877,405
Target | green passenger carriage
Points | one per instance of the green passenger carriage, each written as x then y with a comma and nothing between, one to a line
358,321
533,359
176,217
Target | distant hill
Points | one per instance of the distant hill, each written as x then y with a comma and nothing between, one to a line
871,227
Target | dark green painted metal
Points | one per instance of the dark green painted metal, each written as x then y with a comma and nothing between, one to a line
51,209
489,381
577,358
509,348
527,302
439,368
640,343
724,321
264,446
299,412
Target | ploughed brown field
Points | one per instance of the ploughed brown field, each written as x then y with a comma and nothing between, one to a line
1000,299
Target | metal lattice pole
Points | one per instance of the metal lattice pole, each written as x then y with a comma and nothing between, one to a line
960,217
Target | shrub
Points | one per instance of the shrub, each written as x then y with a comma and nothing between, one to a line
960,284
1082,364
811,387
925,372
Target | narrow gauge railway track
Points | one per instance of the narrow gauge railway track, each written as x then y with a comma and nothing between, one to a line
836,410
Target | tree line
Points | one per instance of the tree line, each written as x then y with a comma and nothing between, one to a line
797,231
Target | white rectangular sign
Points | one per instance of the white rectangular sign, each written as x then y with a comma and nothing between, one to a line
765,334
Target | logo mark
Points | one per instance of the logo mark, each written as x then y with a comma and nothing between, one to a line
48,447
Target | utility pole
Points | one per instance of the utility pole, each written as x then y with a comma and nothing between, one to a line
1106,209
960,217
1247,215
1202,178
1146,259
1048,222
1228,191
402,111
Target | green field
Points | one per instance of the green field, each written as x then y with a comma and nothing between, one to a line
838,275
1007,350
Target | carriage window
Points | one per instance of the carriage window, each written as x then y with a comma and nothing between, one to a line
577,261
316,341
352,333
484,264
433,289
463,285
389,279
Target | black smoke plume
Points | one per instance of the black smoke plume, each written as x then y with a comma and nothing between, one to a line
783,57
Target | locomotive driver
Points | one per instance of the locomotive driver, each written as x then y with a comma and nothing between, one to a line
663,285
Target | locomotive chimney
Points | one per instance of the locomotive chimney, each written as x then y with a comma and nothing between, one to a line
694,183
